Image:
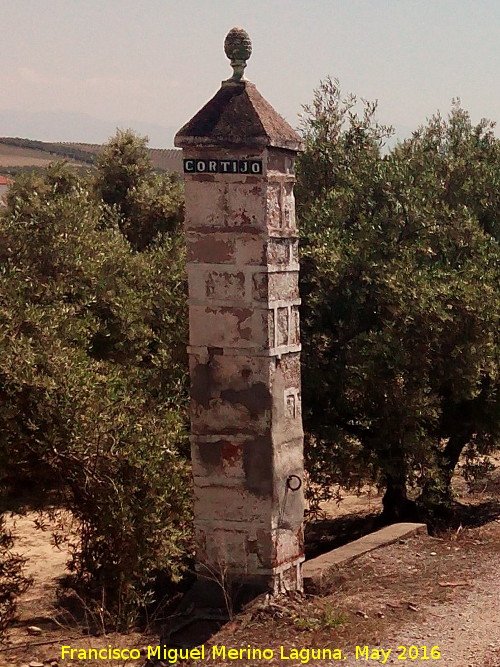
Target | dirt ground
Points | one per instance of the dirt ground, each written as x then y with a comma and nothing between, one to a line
430,599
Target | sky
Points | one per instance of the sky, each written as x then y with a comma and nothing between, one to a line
74,70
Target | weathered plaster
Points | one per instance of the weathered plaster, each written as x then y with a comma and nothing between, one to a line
246,423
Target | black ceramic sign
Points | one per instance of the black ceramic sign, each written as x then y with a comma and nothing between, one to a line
227,166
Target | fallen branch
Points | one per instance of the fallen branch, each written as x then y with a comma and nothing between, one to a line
29,644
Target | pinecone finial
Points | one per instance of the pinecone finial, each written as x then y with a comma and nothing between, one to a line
238,49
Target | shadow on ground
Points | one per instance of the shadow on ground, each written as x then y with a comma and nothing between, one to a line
195,624
466,516
323,535
199,625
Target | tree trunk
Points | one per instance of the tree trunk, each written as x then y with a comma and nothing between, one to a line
437,493
397,506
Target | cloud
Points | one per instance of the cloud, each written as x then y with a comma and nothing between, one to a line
35,77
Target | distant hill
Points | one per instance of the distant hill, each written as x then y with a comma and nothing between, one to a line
18,154
56,124
165,159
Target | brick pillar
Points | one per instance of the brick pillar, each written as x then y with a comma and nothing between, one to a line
244,347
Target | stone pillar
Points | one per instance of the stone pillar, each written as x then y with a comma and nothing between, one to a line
244,347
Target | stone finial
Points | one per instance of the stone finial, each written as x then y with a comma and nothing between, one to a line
238,49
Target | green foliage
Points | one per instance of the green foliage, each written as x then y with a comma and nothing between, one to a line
148,205
93,382
400,278
326,619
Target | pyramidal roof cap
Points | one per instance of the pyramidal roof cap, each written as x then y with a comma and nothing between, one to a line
238,115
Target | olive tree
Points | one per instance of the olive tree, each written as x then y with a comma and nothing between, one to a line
400,299
93,382
148,204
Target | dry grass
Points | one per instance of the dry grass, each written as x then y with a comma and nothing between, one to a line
168,159
16,156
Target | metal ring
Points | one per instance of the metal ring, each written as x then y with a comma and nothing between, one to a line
293,482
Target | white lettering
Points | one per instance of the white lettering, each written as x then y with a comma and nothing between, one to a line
231,166
256,167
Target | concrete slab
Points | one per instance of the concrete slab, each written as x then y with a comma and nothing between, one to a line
316,568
